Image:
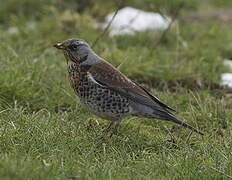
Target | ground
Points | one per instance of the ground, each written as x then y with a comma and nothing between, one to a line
46,134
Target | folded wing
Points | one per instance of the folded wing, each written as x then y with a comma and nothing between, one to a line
106,75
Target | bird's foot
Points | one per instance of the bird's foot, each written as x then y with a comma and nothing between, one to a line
112,129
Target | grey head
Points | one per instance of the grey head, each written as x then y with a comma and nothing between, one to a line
78,51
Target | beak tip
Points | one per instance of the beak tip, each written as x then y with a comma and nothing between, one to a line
58,46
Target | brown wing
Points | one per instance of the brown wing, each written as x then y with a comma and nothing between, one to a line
106,75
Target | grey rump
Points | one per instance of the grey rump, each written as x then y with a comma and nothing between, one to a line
107,92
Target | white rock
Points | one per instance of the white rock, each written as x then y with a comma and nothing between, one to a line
228,63
226,79
13,30
129,20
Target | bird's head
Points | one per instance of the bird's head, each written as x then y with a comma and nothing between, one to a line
75,50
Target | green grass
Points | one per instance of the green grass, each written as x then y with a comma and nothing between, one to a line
46,134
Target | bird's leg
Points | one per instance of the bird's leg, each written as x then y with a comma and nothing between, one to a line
115,128
112,128
107,129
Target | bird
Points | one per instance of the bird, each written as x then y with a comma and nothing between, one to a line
107,92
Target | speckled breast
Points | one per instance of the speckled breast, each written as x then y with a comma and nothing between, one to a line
100,100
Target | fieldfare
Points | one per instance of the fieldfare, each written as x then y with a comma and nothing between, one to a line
107,92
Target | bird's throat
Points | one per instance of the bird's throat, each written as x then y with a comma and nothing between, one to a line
76,75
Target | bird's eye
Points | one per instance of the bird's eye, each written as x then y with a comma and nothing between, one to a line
73,47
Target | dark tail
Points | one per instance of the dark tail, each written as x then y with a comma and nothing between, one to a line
170,117
141,110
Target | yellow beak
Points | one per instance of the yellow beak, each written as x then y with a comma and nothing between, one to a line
59,46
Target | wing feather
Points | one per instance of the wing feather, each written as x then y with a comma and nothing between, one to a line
105,74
